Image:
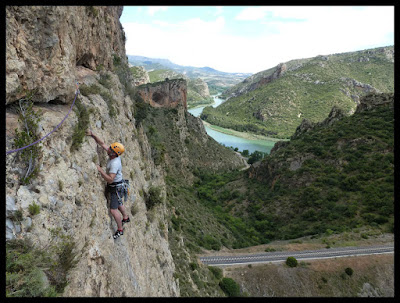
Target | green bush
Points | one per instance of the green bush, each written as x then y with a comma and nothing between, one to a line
256,156
37,272
193,266
17,215
105,80
230,287
34,209
217,272
141,110
153,197
291,262
29,120
89,90
80,128
349,271
110,103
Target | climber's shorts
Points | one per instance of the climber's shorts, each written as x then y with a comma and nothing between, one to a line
115,198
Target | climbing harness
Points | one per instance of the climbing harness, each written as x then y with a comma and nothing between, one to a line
15,150
121,187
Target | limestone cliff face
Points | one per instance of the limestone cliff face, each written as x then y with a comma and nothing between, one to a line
70,193
168,94
48,49
45,44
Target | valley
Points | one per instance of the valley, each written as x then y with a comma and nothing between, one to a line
324,178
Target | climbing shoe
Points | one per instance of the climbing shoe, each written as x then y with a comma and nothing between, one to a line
125,221
118,233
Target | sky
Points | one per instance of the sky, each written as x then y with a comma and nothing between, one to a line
250,39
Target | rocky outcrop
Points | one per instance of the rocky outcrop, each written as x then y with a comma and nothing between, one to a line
375,100
168,94
140,75
306,125
45,44
279,71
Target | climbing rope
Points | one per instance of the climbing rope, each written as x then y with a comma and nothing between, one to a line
15,150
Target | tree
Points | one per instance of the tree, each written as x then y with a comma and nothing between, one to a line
291,262
256,156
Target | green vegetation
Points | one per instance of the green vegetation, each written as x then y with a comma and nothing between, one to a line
89,90
307,90
154,197
34,209
31,156
213,206
105,80
217,272
291,262
91,10
346,181
230,287
17,216
38,271
349,271
80,128
124,73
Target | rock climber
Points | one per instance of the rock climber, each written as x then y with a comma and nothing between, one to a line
113,176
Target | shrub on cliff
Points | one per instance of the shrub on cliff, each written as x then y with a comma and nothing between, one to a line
29,120
79,129
153,197
39,271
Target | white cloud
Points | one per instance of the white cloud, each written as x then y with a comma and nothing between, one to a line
321,31
252,13
153,9
219,10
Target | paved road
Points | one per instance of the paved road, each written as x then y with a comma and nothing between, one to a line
299,255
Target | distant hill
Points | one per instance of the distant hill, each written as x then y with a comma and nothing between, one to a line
217,81
275,101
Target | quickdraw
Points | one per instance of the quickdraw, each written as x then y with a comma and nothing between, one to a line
122,187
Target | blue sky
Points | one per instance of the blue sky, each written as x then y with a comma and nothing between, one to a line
250,39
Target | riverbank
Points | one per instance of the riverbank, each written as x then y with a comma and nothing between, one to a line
247,136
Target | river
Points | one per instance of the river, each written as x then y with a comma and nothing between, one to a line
264,146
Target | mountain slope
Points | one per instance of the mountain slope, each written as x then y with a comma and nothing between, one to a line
335,175
274,102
